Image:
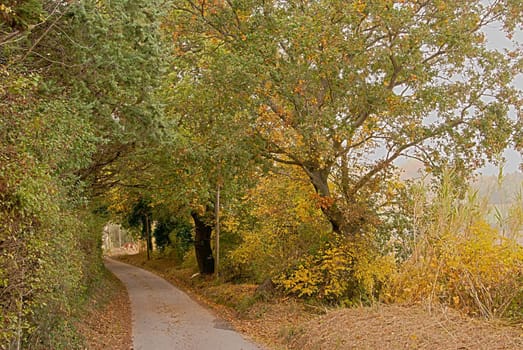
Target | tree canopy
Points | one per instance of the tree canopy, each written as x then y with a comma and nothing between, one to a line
77,87
344,88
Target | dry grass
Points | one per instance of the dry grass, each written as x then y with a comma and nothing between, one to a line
286,323
107,322
404,327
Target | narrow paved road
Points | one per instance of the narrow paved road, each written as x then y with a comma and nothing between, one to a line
164,317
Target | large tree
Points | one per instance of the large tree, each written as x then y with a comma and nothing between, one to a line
210,154
342,89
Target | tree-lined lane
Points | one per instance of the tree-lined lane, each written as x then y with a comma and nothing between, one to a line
164,317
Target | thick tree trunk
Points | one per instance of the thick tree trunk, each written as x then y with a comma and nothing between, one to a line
335,217
329,207
202,245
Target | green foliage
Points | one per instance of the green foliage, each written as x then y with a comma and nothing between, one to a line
344,88
42,141
21,14
140,209
173,236
336,89
161,234
183,238
77,79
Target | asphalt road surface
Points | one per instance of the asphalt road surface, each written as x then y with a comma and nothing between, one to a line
164,317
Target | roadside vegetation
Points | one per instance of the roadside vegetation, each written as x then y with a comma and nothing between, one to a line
76,86
257,143
105,321
454,281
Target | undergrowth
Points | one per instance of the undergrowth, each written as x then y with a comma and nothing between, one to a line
461,260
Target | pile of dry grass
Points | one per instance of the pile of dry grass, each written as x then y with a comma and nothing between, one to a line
404,327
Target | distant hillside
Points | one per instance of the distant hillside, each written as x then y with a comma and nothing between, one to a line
500,192
504,192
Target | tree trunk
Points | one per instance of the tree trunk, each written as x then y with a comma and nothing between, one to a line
146,222
328,205
202,245
149,236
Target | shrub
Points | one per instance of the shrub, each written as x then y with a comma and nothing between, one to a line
461,260
343,272
277,225
173,236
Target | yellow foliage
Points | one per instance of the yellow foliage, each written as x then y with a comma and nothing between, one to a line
284,225
479,272
5,9
462,261
341,272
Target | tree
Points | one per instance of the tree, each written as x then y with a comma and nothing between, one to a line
190,167
141,215
342,89
206,146
77,81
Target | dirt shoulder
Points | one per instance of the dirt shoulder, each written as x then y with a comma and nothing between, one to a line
286,323
107,321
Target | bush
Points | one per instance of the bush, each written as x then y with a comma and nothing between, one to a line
277,224
460,260
478,272
173,236
345,272
48,254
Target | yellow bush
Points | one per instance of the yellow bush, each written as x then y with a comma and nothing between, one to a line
483,270
479,272
462,261
283,225
342,272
